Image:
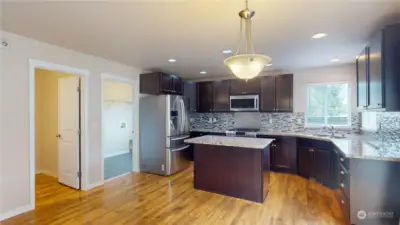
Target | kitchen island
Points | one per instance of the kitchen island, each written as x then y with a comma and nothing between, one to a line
233,166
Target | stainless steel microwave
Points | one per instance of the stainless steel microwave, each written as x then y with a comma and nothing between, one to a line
244,103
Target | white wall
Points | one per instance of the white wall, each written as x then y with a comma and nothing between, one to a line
301,78
14,113
117,109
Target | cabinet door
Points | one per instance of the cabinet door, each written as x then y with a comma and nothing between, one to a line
178,85
238,87
284,93
190,92
362,78
166,83
285,154
267,94
375,73
221,95
306,162
252,86
322,165
205,96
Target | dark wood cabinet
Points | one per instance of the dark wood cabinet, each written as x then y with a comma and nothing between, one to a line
306,162
375,94
284,154
190,92
245,87
205,96
276,93
160,83
322,166
221,96
362,80
284,93
267,95
378,83
317,164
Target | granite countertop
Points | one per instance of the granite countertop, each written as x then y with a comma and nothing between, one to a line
240,142
354,146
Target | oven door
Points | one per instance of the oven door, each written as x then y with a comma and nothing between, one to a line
244,103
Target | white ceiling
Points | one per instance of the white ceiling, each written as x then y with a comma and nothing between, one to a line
145,33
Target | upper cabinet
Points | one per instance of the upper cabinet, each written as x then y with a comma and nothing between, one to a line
378,72
245,87
213,96
276,93
205,96
190,92
362,80
160,83
221,96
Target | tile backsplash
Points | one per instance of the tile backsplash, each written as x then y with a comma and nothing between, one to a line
281,122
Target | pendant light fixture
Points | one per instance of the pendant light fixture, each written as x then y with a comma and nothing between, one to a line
246,65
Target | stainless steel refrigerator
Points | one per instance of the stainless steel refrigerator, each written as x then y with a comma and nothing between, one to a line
164,125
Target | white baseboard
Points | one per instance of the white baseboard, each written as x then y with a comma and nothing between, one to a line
94,185
47,172
116,153
16,212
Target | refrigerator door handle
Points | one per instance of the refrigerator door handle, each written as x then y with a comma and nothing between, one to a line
180,149
183,116
180,138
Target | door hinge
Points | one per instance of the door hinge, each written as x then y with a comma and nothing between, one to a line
79,132
78,89
79,174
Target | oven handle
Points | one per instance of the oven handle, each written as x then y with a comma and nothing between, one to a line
180,149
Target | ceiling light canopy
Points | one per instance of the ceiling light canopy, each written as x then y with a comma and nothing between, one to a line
318,36
203,72
246,65
171,60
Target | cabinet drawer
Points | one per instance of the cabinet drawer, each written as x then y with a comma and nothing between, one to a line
344,181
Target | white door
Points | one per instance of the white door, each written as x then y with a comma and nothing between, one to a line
68,131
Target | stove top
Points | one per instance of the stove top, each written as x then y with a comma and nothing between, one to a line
242,132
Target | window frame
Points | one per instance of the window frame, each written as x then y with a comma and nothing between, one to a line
307,125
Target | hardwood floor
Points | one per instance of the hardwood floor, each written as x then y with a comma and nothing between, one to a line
141,198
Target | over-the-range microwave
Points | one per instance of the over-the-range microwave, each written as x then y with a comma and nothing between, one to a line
244,103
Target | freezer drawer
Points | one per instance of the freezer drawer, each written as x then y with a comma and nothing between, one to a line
177,141
176,159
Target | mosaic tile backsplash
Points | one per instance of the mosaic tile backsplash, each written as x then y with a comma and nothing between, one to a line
281,122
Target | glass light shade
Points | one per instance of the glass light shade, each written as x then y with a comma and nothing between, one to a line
247,66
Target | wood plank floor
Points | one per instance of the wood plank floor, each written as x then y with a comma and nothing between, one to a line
140,198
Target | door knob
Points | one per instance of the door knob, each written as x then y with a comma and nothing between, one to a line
58,135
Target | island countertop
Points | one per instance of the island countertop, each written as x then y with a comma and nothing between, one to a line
240,142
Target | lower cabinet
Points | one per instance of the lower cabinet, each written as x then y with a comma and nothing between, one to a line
316,164
284,154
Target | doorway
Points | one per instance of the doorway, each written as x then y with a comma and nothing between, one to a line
117,127
73,174
57,127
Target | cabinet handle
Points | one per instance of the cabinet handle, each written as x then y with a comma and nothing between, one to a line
342,172
379,104
342,201
341,159
342,185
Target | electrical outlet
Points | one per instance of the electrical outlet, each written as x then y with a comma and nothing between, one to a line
210,120
298,121
270,120
214,119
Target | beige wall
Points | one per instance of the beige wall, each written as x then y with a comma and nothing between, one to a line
14,113
46,121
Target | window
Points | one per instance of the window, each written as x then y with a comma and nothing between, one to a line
328,104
